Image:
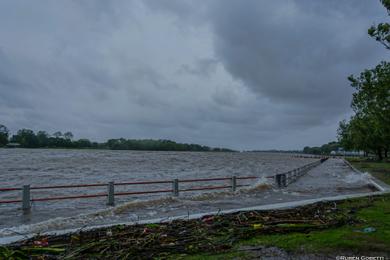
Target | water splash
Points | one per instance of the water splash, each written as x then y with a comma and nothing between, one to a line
354,177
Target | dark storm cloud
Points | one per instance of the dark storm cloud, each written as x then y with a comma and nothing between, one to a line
297,52
243,74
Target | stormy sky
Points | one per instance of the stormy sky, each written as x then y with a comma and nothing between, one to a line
247,74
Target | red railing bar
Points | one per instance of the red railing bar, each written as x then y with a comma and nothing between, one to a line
218,179
99,195
141,192
9,201
71,197
86,196
205,179
68,186
96,185
207,188
93,185
246,178
9,189
141,182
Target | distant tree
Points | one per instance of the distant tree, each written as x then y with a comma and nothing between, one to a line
26,138
43,138
68,135
156,145
329,147
83,143
312,150
3,135
57,134
325,149
361,133
344,135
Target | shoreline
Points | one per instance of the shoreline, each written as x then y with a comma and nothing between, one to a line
164,239
275,206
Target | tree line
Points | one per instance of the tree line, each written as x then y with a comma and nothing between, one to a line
325,149
158,145
368,129
27,138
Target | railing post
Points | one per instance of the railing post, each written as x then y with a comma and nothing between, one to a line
26,206
175,187
278,179
233,183
283,180
110,194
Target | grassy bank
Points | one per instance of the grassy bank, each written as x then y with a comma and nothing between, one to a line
368,233
350,227
380,170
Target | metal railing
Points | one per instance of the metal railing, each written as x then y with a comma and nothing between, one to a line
281,180
26,198
285,179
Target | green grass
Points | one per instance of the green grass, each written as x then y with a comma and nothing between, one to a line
380,170
349,237
370,212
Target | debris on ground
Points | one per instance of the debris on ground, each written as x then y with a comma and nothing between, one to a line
211,233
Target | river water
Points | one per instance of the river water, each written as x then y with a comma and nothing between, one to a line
41,167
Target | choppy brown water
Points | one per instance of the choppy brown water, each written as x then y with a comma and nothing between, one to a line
56,167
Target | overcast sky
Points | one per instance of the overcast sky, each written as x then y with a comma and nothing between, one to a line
238,74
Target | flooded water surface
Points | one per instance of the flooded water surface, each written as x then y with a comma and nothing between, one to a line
47,167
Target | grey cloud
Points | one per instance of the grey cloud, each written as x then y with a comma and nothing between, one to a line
192,13
203,67
224,97
243,74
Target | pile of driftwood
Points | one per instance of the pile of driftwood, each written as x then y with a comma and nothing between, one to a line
214,233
